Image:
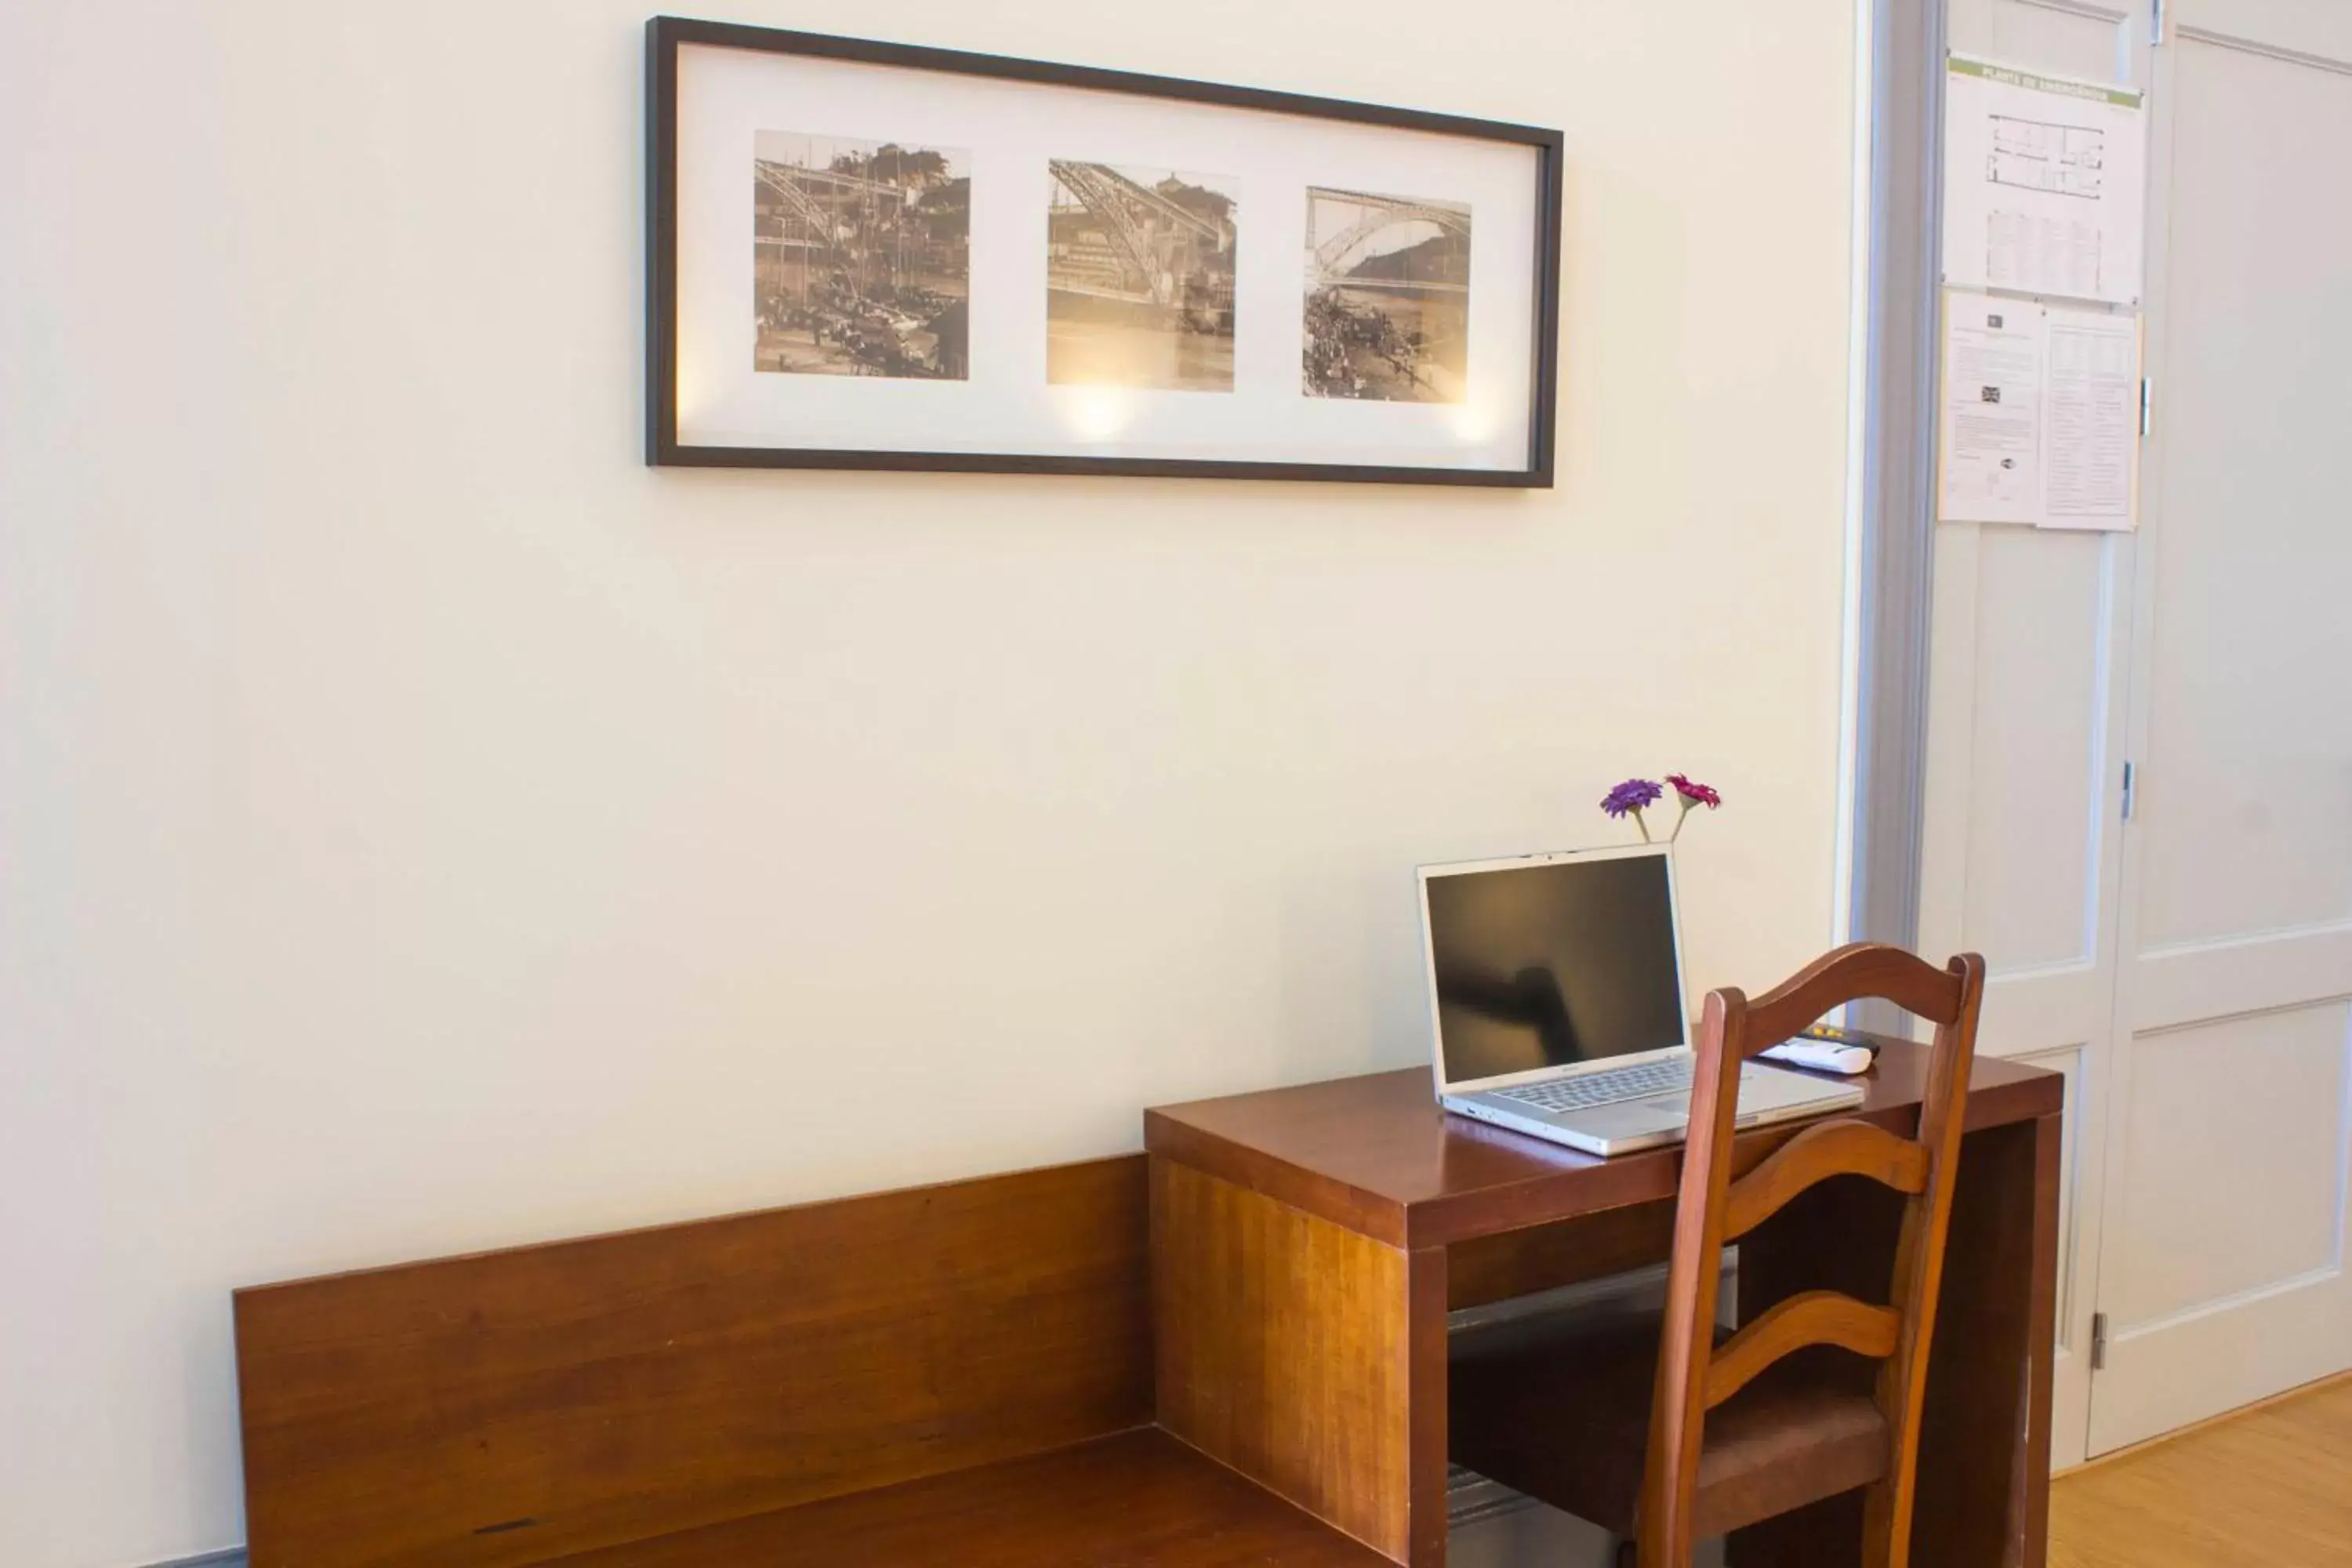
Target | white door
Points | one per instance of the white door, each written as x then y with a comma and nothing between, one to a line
2027,700
2222,1276
2189,969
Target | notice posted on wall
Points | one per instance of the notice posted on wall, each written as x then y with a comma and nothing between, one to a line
1991,448
2040,418
2044,183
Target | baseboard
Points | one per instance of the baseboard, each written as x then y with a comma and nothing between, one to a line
227,1557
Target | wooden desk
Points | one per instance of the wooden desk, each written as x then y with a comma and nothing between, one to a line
1308,1243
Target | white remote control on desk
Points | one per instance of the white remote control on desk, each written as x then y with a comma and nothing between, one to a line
1825,1048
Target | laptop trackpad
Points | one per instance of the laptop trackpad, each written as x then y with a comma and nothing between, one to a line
1636,1118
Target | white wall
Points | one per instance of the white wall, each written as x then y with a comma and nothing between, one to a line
423,827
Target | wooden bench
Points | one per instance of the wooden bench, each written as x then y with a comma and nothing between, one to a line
957,1374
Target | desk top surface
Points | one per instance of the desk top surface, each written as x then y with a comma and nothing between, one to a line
1376,1154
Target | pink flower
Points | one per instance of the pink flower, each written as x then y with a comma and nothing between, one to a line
1695,794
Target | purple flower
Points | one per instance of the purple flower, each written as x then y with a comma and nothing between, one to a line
1632,797
1693,794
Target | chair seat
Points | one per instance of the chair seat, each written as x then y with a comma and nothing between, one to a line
1567,1421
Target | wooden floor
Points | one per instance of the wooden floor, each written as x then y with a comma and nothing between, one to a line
2270,1489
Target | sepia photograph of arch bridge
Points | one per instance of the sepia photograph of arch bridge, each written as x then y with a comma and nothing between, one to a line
861,257
1138,278
1388,297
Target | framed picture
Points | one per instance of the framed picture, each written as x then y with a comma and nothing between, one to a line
873,256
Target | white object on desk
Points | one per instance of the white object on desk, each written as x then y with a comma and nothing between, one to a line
1821,1056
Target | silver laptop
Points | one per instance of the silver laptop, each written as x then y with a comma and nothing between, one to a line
1555,992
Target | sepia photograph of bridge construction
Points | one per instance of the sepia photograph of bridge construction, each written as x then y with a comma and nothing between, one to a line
861,257
1138,278
1388,297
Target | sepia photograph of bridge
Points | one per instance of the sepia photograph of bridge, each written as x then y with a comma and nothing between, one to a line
1025,268
1138,278
861,257
1388,297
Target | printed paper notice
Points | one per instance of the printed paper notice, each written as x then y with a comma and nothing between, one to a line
2090,420
1991,469
2043,184
2041,415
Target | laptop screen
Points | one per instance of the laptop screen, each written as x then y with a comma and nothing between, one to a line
1550,963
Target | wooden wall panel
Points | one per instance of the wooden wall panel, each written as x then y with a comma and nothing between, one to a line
499,1409
1286,1353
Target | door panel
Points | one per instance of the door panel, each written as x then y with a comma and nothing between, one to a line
2025,729
2250,760
2035,790
2319,28
2226,1274
2069,39
2222,1267
2230,1120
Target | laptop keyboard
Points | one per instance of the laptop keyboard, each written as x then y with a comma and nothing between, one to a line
1669,1076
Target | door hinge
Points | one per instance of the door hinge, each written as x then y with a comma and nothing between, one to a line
2146,404
2155,21
2131,790
2098,1342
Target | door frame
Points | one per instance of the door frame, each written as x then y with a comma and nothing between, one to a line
1894,543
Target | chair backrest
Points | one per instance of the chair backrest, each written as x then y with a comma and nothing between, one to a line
1694,1374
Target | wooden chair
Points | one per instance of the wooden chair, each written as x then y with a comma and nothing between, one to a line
1664,1430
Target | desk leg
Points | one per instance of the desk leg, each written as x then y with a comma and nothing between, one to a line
1304,1355
1984,1442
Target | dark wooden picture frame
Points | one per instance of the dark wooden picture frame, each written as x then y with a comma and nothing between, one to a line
665,35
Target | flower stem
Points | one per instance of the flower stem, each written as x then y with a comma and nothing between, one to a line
1677,833
1641,823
